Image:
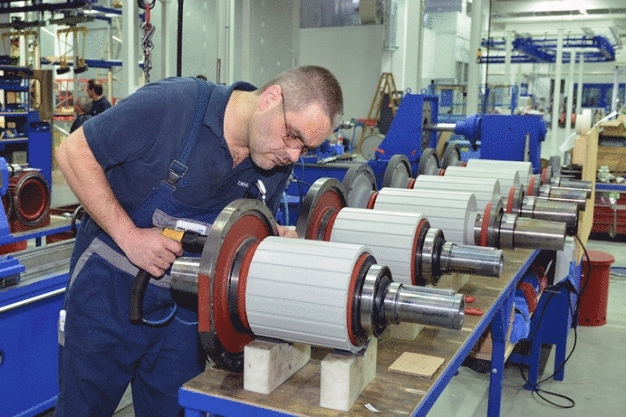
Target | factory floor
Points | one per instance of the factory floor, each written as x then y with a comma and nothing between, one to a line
594,376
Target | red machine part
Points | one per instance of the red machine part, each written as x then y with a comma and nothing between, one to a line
328,203
30,195
246,227
473,311
26,206
529,294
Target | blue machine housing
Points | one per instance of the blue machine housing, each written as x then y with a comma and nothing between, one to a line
489,136
502,137
407,135
512,138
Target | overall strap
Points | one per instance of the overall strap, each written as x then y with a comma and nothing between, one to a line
178,167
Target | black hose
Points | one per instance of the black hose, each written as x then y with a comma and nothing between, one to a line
137,293
77,214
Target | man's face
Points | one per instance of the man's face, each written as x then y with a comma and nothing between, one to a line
278,137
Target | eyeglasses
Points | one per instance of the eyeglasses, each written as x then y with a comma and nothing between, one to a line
292,142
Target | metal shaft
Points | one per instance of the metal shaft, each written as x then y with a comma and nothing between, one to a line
555,211
412,304
564,194
475,260
184,274
521,232
441,127
569,183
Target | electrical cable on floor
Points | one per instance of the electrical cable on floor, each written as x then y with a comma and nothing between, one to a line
541,393
618,271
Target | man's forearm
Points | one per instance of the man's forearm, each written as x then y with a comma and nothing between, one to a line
87,180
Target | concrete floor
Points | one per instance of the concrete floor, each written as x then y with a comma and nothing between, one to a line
594,376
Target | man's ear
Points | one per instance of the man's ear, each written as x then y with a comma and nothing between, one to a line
270,97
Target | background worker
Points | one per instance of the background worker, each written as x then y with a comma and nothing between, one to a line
82,107
95,91
199,146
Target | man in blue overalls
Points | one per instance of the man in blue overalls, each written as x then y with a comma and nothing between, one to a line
185,148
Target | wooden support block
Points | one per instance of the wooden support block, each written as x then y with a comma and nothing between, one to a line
453,281
344,376
267,364
423,366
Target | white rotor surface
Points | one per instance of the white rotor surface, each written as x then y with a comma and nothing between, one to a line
297,290
485,189
453,213
524,169
390,235
507,178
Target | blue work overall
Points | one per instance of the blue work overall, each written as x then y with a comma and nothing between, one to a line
100,351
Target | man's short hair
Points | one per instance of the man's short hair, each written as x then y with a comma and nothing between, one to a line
96,86
306,85
84,103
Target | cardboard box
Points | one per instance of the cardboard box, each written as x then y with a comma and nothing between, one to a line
613,157
614,128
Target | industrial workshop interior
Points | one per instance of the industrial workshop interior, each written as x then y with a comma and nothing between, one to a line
451,244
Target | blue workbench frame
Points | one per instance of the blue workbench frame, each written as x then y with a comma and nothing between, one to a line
499,318
607,187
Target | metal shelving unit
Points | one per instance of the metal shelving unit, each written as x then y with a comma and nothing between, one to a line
23,131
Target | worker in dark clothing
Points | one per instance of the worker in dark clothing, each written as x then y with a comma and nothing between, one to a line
95,91
198,147
82,107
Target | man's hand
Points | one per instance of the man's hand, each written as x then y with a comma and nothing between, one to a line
284,231
149,250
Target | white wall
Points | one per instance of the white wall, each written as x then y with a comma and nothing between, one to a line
199,32
353,54
271,39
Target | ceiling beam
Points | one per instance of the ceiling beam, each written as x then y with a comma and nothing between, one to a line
526,6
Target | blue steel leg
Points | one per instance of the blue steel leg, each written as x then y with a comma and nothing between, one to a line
559,360
561,336
533,365
499,330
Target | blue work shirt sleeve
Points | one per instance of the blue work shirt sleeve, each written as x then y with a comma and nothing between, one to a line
127,130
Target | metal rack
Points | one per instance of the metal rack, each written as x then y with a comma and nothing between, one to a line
23,130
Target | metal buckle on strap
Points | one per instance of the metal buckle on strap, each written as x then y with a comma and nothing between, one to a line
176,172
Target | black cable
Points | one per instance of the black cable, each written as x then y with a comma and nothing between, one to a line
574,313
484,106
179,39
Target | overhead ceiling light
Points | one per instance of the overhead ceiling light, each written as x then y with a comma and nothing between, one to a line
583,11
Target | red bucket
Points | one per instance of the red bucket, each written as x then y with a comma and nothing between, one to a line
594,299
